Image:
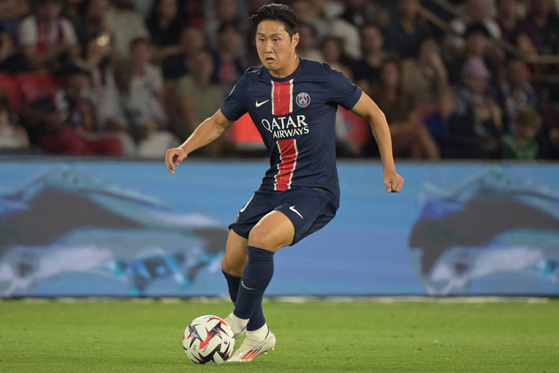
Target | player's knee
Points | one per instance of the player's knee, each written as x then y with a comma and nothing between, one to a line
234,268
261,239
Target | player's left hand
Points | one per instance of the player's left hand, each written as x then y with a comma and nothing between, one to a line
392,181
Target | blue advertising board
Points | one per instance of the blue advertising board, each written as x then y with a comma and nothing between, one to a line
107,228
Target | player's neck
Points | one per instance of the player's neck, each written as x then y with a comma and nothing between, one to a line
287,70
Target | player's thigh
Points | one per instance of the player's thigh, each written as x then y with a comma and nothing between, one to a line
272,232
236,254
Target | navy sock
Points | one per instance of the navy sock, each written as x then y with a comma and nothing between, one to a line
233,283
255,279
257,319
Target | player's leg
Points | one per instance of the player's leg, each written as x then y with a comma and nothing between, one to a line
232,265
272,232
236,254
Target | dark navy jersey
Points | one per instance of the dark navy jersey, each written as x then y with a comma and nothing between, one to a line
296,118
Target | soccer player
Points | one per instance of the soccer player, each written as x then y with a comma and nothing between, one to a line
293,103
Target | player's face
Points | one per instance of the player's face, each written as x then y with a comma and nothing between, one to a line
276,49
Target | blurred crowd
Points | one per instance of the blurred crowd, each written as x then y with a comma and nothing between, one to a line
135,77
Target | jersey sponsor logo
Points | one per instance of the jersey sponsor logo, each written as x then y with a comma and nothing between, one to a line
258,104
286,126
292,208
282,97
288,162
303,99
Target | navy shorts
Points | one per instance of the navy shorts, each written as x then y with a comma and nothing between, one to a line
309,209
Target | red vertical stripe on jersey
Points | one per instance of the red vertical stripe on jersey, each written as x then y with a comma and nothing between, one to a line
286,166
282,97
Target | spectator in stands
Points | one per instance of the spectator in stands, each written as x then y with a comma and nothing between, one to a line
511,24
307,13
477,127
93,24
192,41
228,64
194,10
68,120
11,11
426,76
475,11
13,138
12,61
134,115
126,25
441,119
477,46
147,76
356,14
197,98
366,70
333,53
522,144
307,47
165,24
224,11
546,24
525,44
404,33
516,93
97,56
48,40
410,137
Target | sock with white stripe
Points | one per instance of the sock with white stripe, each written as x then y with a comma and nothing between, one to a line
256,276
257,319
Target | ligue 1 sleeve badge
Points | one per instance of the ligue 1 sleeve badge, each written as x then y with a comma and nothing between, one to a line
303,99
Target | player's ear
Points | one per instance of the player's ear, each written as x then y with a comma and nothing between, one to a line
295,40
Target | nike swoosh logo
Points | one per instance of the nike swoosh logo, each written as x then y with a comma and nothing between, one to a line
245,206
292,208
258,104
242,283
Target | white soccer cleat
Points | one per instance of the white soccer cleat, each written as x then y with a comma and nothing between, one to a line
251,349
236,333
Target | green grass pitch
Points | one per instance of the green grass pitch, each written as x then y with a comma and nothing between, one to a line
321,336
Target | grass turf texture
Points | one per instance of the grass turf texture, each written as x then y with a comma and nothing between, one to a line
362,336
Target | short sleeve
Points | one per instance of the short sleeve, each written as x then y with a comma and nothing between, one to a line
341,91
234,105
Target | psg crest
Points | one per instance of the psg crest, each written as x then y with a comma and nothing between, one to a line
303,99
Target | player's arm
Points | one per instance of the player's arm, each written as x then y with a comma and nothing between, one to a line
206,132
367,109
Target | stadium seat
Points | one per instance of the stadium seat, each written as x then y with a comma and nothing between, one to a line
9,86
35,85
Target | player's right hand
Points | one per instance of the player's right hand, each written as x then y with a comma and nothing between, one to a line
173,158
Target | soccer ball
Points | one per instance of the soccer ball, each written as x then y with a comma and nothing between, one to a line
208,340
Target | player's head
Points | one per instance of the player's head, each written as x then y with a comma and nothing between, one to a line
279,13
276,36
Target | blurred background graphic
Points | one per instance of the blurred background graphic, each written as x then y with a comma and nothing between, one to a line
96,228
92,92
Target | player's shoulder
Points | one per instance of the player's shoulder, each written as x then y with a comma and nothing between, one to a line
316,68
254,73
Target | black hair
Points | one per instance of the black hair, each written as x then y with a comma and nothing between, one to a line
276,12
